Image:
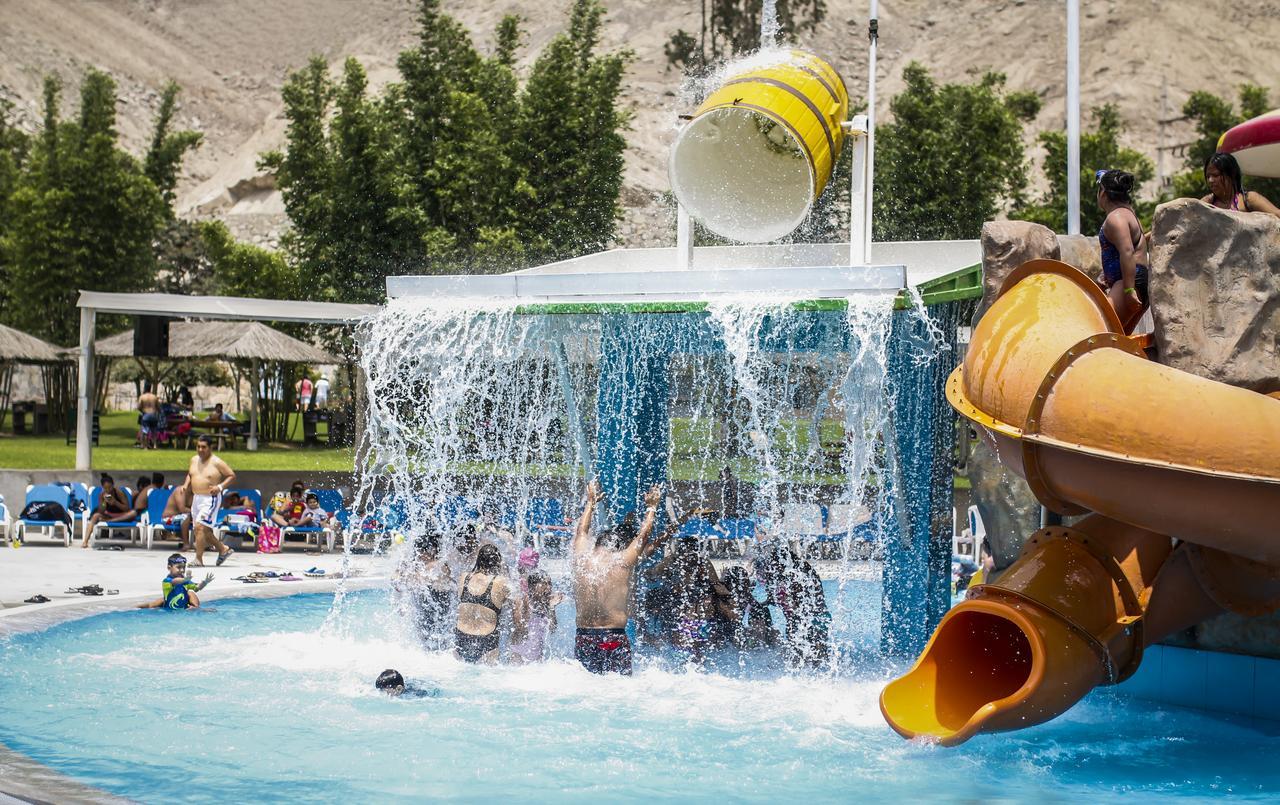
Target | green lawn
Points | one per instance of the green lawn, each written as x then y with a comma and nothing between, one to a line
116,452
691,460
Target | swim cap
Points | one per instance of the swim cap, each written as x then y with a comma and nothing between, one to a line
528,558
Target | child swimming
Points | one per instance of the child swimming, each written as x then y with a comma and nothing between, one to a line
178,590
392,683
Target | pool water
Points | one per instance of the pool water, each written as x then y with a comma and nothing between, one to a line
273,700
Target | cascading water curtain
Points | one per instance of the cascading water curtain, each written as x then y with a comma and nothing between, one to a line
483,418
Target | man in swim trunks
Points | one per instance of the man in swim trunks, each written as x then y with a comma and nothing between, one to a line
178,590
207,478
602,583
148,417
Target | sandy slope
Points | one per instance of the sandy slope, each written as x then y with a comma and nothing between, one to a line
231,57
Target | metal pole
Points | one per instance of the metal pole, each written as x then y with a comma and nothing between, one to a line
84,397
857,129
1073,117
684,239
253,405
873,33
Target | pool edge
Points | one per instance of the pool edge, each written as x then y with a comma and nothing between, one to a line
23,777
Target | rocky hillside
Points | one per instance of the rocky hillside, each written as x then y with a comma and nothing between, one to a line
231,57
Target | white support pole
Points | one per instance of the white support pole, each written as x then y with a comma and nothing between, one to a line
857,129
252,444
1073,117
873,33
684,239
85,395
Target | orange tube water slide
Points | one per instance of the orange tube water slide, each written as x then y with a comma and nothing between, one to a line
1073,405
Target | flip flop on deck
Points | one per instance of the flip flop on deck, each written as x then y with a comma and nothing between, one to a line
36,599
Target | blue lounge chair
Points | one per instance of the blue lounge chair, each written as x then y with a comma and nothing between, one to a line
543,519
80,509
456,510
332,502
153,524
247,532
734,534
45,493
327,498
130,526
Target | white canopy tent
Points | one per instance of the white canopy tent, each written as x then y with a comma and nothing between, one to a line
177,306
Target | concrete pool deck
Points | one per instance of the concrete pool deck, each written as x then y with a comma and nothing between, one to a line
49,569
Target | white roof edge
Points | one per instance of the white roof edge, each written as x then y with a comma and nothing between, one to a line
224,307
813,282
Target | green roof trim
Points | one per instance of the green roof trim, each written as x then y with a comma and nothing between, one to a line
966,283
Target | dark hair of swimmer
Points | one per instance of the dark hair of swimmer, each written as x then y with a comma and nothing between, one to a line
1118,185
1228,167
621,535
488,559
428,543
389,679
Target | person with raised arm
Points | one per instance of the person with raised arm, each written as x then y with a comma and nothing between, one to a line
602,571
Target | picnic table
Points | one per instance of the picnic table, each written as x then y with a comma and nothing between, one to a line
224,430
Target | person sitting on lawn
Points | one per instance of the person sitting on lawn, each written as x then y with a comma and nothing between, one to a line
178,590
113,507
219,415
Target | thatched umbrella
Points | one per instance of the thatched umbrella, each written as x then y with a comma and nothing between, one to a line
18,347
229,340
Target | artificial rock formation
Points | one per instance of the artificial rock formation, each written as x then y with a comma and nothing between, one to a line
1081,251
1007,245
1215,291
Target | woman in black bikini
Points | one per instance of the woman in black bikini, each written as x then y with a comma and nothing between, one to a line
1226,191
481,597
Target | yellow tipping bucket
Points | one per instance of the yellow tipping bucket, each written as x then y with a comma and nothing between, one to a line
760,149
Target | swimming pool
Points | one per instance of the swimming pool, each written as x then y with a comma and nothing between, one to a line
273,700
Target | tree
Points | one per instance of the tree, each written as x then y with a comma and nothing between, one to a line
304,170
1212,117
183,265
84,215
1099,149
951,156
14,145
164,157
369,237
733,27
242,269
569,141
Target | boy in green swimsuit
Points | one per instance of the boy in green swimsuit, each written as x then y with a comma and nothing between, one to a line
178,590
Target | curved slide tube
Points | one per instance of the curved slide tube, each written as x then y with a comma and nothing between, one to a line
1074,406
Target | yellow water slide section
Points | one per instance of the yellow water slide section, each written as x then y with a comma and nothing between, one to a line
1074,406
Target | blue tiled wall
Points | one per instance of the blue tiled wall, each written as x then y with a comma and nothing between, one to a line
1208,680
